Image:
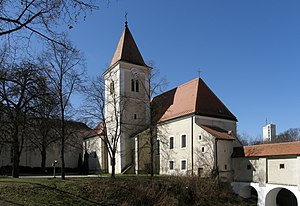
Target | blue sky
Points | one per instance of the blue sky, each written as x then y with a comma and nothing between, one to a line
248,50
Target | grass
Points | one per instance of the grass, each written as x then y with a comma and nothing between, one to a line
130,190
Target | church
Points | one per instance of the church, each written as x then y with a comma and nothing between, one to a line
184,131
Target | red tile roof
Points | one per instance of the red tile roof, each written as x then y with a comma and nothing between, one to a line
127,50
97,131
265,150
193,97
218,132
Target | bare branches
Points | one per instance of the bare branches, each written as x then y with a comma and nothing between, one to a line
40,17
64,69
107,111
19,86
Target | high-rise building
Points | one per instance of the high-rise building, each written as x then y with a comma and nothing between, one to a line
269,132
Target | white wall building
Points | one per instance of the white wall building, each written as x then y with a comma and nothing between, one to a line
31,151
269,173
269,132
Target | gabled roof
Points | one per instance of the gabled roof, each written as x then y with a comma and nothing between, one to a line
127,50
193,97
264,150
218,133
97,131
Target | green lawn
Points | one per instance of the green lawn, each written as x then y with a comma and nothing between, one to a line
130,190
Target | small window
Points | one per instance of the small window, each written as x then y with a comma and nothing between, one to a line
183,165
199,137
134,116
202,149
171,142
281,166
183,141
225,167
171,165
112,87
137,86
248,167
132,85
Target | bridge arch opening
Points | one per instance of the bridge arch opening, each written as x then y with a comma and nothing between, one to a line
281,197
249,192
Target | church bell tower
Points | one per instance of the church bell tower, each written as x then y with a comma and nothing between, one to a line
127,98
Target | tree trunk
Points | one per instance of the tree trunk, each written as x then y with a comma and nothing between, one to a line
43,163
62,130
16,160
16,155
63,156
113,167
62,143
152,152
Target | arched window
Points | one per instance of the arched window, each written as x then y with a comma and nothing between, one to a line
137,85
132,85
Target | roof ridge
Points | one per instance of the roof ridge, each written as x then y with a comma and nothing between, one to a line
272,144
186,83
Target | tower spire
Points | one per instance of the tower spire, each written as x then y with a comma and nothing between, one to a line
127,49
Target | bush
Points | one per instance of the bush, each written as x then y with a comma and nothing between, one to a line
162,191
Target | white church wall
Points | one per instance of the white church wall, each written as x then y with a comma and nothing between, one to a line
178,154
113,107
132,109
204,152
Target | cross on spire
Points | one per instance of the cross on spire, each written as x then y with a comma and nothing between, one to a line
126,22
199,72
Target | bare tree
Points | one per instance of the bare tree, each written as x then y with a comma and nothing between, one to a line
95,109
290,135
244,138
205,157
65,73
156,86
19,85
43,127
41,17
256,141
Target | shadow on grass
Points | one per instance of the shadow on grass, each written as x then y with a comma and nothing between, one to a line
62,192
7,202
